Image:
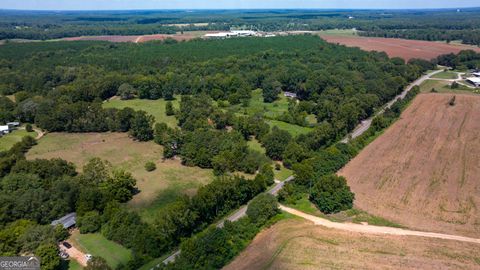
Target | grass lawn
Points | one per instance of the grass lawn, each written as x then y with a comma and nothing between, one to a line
269,110
254,144
73,265
338,32
294,130
444,87
97,245
283,173
170,179
153,107
446,75
8,140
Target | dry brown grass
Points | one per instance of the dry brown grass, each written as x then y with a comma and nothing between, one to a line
297,244
423,171
123,152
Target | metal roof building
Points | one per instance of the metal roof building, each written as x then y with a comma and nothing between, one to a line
67,221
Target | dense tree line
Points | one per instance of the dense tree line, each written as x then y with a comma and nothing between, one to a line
215,247
33,193
339,85
469,36
444,24
462,61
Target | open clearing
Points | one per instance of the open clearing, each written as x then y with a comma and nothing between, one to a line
442,86
154,107
8,140
297,244
422,172
97,245
169,180
394,47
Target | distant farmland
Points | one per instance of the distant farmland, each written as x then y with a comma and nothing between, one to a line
423,171
403,48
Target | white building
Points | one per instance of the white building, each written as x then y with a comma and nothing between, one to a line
476,74
218,35
235,33
244,33
474,80
290,95
4,130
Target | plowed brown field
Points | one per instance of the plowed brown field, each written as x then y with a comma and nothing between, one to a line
424,171
403,48
297,244
143,38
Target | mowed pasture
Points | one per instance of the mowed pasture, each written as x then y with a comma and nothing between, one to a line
442,86
97,245
404,48
422,172
8,140
154,107
298,244
169,180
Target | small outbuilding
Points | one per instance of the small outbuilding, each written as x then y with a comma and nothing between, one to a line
4,130
66,221
13,124
290,95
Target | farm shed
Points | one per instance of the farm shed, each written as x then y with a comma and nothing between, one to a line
67,221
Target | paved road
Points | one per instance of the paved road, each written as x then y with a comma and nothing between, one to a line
365,124
370,229
241,212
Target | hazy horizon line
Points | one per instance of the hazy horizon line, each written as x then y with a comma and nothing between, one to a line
228,9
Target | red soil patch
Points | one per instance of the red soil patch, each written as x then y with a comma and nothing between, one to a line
403,48
137,39
423,172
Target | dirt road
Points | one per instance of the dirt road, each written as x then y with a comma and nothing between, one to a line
365,124
370,229
75,254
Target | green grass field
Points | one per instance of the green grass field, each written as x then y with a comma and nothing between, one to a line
269,110
294,130
449,75
283,173
97,245
8,140
153,107
338,32
158,187
253,144
444,87
73,265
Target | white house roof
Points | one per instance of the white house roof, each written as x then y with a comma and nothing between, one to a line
218,35
4,128
474,80
476,74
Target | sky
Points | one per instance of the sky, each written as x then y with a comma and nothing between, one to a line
231,4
